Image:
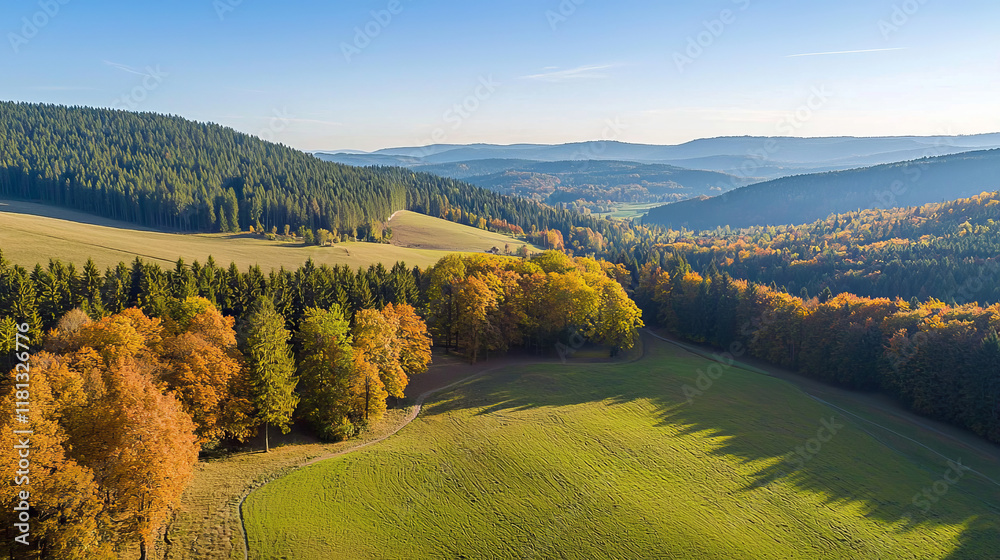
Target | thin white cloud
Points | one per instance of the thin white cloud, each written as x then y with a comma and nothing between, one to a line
846,52
62,88
124,68
593,72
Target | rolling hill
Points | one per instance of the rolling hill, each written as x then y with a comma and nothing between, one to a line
417,231
595,181
768,157
167,172
587,181
33,233
610,461
805,198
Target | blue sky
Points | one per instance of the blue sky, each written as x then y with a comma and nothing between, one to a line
339,75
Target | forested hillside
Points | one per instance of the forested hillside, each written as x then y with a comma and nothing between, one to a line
169,172
904,301
602,181
584,182
940,360
805,198
949,251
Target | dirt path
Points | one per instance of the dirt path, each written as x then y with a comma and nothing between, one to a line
440,373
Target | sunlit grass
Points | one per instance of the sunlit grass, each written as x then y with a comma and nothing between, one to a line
33,233
610,461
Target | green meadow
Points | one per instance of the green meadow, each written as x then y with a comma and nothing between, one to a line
591,460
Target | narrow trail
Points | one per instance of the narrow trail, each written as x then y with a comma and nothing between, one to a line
414,412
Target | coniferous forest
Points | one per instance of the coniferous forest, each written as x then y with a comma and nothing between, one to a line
168,172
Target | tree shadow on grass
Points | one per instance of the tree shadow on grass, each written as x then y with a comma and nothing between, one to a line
781,436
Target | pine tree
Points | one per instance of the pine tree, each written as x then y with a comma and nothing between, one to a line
92,282
182,283
271,367
326,359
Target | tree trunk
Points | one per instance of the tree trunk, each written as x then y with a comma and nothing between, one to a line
267,446
142,548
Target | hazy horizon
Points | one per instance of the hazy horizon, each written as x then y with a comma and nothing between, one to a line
385,73
344,150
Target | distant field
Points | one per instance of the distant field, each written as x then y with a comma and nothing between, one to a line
410,229
610,461
631,210
32,233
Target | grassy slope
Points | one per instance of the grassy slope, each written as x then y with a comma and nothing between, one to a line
32,233
206,525
607,461
410,229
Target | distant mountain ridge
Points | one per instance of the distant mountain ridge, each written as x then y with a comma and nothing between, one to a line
746,156
804,198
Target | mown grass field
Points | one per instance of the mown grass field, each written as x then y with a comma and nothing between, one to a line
34,233
413,230
206,524
611,461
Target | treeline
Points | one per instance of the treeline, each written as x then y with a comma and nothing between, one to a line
168,172
949,251
940,360
43,295
483,303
